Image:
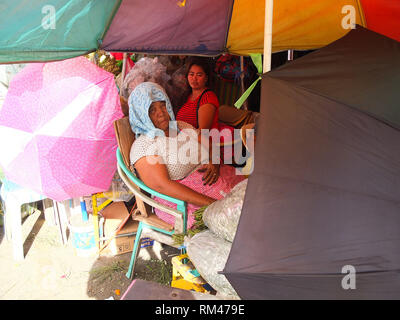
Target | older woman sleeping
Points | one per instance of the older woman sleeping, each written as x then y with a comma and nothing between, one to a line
168,157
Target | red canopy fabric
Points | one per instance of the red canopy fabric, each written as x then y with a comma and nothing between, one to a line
383,16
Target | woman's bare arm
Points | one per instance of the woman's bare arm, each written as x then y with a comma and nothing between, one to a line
206,116
155,175
205,119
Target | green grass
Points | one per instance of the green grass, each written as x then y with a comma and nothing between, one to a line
157,271
153,270
106,272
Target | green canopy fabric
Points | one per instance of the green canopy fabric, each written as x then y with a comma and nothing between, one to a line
32,34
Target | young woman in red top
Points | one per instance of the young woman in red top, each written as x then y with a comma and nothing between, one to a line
203,115
201,107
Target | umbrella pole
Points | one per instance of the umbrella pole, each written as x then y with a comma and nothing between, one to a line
269,9
290,55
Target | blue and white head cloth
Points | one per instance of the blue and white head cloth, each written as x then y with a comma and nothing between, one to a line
139,104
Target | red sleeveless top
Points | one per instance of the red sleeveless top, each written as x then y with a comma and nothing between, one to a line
188,112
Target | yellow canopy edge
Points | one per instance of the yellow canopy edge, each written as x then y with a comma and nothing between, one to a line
298,25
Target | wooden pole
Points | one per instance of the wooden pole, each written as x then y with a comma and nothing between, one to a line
269,9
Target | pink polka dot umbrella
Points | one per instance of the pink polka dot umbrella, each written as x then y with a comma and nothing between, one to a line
56,128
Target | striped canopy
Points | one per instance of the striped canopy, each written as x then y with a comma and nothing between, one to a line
43,30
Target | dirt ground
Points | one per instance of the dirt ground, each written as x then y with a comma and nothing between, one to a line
53,271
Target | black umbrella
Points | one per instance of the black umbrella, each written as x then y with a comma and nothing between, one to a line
321,216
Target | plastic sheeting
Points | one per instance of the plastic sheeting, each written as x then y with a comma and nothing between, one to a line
118,190
146,69
222,217
209,250
179,87
209,254
155,70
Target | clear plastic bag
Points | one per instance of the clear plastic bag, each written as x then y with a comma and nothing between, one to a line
177,91
149,69
209,250
222,216
209,254
118,190
146,69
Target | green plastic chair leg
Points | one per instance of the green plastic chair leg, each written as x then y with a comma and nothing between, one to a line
129,274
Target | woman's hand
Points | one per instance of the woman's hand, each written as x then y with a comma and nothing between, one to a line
155,175
211,173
